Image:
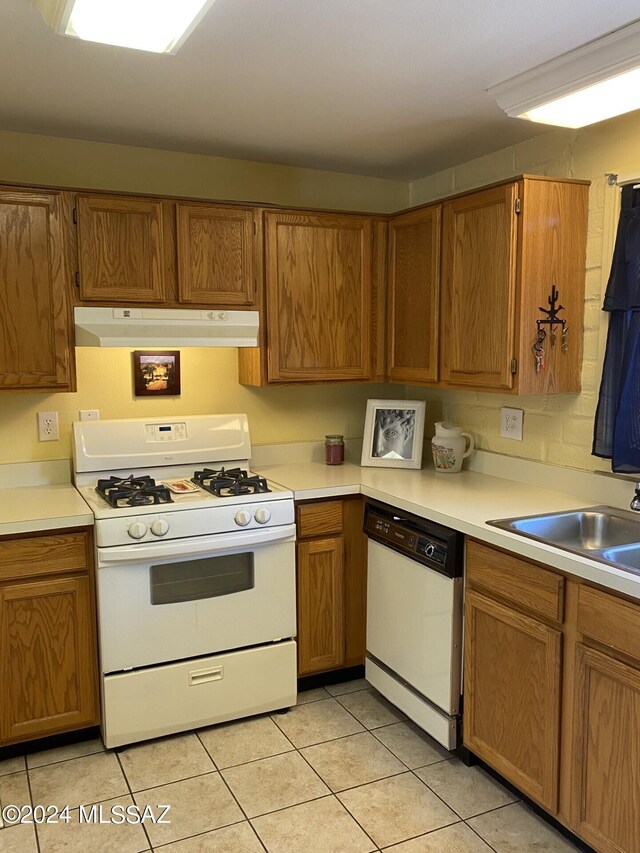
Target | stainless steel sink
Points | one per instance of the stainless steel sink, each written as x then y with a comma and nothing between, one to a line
627,556
599,532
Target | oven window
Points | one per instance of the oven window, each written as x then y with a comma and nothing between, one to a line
192,580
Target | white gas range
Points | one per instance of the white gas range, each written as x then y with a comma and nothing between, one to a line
195,567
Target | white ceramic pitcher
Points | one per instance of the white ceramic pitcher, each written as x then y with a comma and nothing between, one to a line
448,447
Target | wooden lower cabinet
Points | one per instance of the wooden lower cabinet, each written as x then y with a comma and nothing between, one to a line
512,696
331,585
552,693
320,604
606,789
48,653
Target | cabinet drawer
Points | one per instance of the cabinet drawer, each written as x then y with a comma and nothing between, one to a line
609,620
43,555
319,519
526,585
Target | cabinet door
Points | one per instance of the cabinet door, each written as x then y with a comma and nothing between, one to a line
479,289
215,254
414,273
120,249
34,320
320,605
512,696
48,654
606,777
319,296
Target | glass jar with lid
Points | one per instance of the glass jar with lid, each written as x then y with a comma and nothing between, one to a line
334,449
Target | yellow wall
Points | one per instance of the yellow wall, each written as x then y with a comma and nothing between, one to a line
46,160
209,376
209,385
557,428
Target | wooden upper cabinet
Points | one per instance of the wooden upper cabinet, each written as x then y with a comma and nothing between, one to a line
503,249
35,349
120,249
319,296
479,289
414,279
553,241
215,254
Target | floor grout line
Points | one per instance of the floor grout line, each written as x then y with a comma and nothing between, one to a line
334,794
475,831
126,779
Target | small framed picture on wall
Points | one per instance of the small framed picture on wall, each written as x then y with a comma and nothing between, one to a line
393,434
156,373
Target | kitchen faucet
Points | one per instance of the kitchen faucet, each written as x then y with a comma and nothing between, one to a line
635,503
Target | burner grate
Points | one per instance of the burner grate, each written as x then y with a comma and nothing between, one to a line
133,491
231,482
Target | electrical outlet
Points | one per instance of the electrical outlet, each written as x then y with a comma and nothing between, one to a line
89,415
511,423
48,426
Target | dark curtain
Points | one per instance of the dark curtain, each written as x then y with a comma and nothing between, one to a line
617,424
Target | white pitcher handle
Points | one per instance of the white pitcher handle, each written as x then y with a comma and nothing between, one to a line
471,445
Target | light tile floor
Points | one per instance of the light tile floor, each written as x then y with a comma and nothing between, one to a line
343,772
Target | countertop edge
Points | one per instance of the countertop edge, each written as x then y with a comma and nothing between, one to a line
609,577
36,525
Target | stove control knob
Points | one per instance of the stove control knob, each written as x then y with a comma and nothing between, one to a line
242,517
137,530
159,527
262,515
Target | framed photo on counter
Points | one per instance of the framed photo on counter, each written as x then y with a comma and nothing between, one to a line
393,434
156,373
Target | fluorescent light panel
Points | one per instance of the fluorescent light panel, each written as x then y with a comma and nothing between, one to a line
595,82
613,97
158,26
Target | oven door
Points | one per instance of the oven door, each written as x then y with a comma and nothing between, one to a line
169,601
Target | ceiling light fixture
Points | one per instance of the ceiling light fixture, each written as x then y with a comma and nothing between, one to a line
159,26
595,82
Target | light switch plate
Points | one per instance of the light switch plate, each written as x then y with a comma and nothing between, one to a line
89,414
511,423
48,426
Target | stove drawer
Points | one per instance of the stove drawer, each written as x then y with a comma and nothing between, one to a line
187,695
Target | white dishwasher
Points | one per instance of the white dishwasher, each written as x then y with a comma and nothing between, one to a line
414,617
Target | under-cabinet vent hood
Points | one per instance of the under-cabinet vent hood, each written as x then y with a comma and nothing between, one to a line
162,327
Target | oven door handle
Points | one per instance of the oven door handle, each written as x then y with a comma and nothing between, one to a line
200,545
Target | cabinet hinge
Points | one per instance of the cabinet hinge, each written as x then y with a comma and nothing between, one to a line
518,206
77,279
514,365
75,215
255,227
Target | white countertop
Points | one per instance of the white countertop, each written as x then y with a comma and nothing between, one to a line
32,508
464,502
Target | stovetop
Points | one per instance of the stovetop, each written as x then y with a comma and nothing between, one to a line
131,493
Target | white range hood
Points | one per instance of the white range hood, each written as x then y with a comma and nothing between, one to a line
162,327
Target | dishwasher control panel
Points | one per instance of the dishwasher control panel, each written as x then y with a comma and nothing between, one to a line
417,538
